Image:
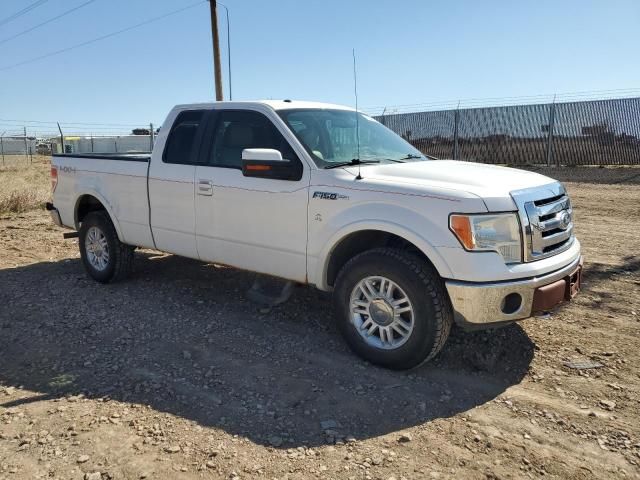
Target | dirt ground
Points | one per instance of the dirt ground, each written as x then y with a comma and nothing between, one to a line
174,374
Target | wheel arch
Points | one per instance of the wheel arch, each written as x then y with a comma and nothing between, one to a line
91,202
358,238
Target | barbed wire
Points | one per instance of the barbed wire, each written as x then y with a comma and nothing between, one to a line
504,101
49,129
51,122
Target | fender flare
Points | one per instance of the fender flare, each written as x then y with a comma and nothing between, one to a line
105,204
389,227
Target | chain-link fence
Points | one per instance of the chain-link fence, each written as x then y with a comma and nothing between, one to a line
598,132
595,132
40,140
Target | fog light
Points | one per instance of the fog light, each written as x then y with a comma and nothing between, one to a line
511,303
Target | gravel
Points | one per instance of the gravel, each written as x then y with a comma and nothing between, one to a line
173,374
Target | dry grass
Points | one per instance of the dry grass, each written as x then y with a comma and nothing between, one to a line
24,186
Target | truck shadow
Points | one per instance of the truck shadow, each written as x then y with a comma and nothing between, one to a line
180,337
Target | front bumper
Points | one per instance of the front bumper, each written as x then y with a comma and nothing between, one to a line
55,214
477,304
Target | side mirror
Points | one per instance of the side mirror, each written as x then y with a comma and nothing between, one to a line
268,163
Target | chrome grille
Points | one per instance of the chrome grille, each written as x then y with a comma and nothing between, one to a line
547,220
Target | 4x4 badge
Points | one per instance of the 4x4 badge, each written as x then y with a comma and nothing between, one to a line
329,196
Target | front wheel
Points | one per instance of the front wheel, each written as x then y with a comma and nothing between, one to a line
104,256
392,308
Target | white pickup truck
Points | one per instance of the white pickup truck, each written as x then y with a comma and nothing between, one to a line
323,195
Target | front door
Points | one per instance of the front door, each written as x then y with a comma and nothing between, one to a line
251,223
171,187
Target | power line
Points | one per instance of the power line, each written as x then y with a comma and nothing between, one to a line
46,22
103,37
22,12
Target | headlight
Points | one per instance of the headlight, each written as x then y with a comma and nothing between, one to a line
499,233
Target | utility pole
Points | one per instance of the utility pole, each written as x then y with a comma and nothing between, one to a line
217,68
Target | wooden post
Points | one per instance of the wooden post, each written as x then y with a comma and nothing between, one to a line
217,68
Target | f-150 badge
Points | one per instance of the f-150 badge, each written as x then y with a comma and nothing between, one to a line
329,196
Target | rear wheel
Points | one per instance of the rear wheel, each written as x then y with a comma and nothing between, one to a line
392,308
104,256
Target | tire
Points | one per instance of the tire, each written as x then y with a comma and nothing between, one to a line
430,314
118,263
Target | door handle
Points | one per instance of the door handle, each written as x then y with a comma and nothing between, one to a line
205,187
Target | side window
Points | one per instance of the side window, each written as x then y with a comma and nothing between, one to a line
236,130
180,143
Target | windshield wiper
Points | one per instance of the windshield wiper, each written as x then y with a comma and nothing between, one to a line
408,156
411,156
353,162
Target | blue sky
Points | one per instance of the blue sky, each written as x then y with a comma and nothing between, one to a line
409,51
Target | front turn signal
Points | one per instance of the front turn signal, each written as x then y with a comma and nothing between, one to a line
461,226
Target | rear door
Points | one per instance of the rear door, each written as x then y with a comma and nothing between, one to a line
256,224
172,187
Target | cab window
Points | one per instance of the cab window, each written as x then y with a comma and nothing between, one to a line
237,130
181,140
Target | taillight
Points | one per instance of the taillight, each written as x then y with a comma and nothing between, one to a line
54,178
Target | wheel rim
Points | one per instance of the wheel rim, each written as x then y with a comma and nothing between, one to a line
381,312
97,248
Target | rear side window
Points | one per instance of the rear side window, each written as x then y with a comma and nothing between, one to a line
181,141
237,130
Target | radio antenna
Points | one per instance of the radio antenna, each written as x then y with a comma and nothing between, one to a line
355,93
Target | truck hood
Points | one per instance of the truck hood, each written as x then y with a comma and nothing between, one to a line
491,183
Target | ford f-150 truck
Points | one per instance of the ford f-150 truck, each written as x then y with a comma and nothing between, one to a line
324,195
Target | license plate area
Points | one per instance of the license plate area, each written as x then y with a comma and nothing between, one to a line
563,290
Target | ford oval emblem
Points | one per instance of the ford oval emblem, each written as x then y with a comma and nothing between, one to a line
565,219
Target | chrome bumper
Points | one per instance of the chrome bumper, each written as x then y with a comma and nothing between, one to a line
484,303
55,215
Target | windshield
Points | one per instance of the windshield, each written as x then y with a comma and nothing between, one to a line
330,137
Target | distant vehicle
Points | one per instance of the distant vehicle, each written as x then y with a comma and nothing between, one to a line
323,195
43,148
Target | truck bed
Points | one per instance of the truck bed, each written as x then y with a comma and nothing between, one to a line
121,186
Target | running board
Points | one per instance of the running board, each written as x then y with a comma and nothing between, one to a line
69,235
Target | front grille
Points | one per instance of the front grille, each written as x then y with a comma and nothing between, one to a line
547,220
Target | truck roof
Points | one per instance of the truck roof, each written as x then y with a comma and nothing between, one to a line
275,104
